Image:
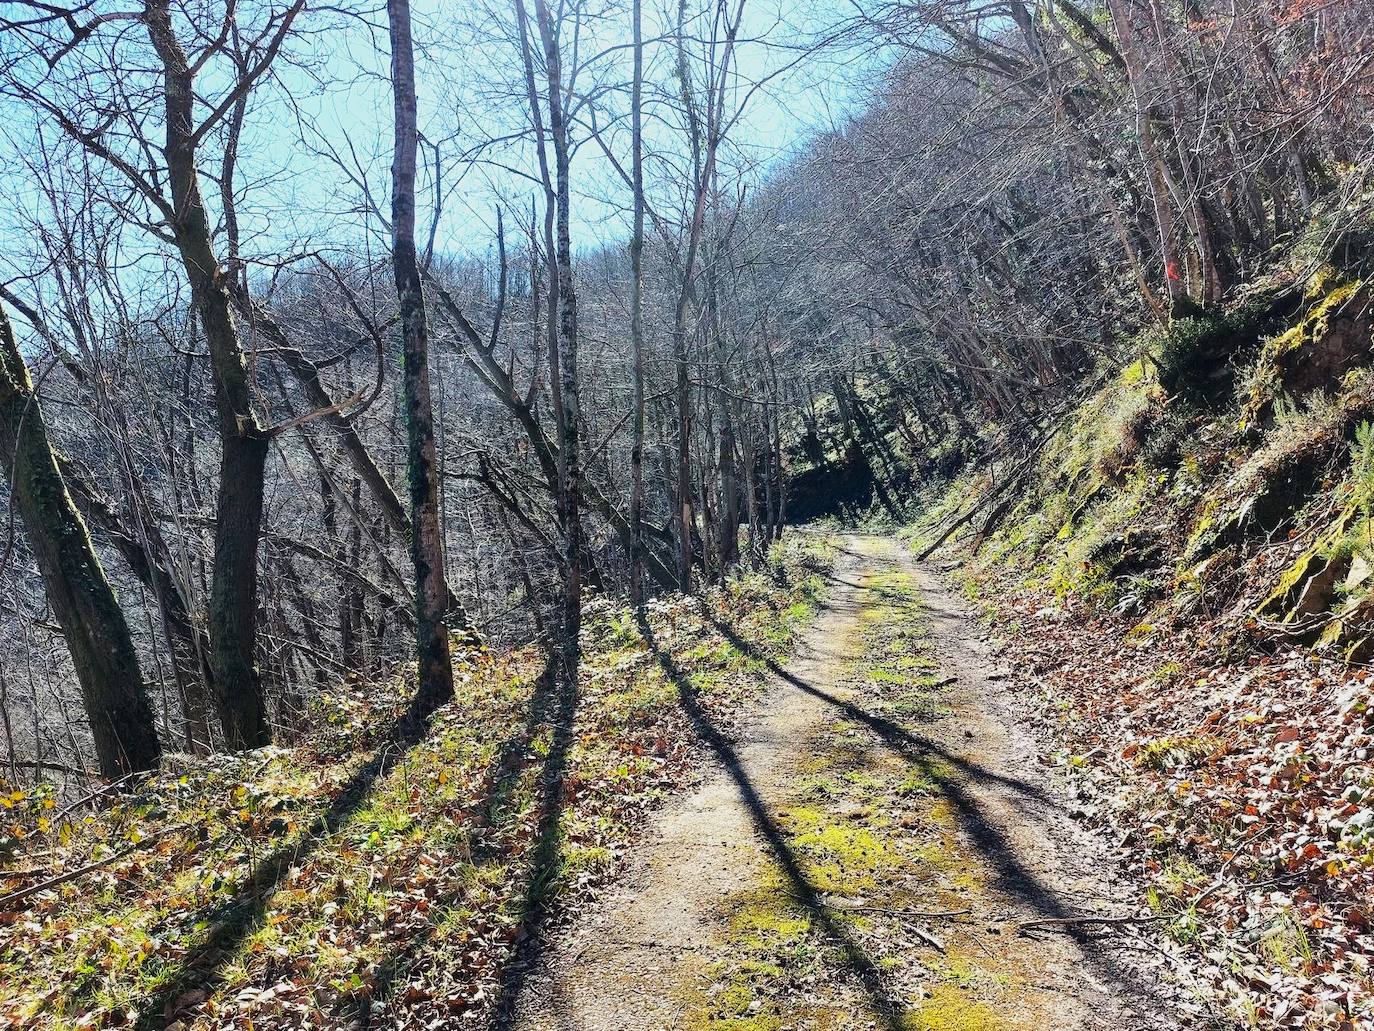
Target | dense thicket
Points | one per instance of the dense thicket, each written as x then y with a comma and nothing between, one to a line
202,278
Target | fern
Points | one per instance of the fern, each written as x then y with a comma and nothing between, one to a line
1362,468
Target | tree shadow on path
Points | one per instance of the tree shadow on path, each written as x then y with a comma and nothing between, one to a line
801,889
910,746
1011,875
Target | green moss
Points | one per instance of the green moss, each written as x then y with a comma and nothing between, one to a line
1327,296
769,915
1191,352
951,1009
1134,373
758,1022
1087,502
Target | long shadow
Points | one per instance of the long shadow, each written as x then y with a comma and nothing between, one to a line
548,706
233,921
1010,873
557,708
910,746
801,888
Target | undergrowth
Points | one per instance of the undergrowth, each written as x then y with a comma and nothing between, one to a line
1185,579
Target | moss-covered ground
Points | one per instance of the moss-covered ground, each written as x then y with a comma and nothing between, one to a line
832,935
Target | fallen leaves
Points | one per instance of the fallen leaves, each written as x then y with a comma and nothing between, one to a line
1242,790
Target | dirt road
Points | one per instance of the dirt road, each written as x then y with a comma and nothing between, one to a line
865,854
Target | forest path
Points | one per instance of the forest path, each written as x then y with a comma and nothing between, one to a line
861,856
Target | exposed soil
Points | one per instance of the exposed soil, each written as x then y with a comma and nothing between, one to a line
921,927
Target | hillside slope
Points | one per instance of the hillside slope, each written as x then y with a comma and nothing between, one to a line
1182,571
369,877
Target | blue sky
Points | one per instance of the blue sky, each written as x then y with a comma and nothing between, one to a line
816,94
294,198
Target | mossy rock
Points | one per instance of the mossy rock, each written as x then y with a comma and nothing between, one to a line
1352,251
1283,488
1133,551
1331,339
1308,585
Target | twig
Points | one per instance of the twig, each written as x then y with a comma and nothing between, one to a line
71,875
1073,921
917,914
104,789
17,875
42,766
927,937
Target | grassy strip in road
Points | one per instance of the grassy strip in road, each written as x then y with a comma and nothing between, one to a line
863,836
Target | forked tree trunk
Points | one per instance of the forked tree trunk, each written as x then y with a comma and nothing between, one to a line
426,545
81,598
1156,175
238,690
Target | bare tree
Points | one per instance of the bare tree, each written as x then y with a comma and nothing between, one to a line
121,719
426,545
636,549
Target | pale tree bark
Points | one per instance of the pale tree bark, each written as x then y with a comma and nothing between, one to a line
550,210
704,136
102,650
1156,174
686,517
637,313
569,451
426,545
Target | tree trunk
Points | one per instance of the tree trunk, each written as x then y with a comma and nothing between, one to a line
243,442
685,517
351,603
636,548
729,495
426,546
92,622
569,451
148,558
1156,174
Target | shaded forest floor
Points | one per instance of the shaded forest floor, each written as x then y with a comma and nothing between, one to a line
878,849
